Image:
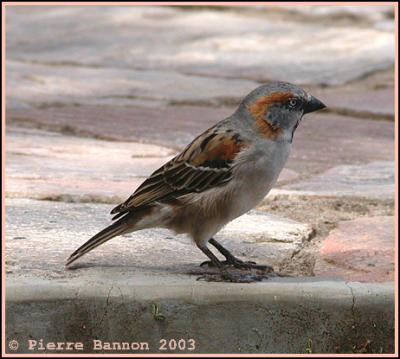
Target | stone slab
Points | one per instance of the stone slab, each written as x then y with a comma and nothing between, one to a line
372,180
369,97
375,15
170,126
53,166
359,250
202,41
53,230
321,141
377,103
38,152
38,85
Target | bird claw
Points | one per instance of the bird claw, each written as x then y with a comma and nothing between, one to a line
211,264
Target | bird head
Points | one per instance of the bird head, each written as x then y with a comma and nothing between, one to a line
276,109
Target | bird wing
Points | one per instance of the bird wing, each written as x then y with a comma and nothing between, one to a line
205,163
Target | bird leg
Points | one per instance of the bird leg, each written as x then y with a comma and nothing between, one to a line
231,260
213,259
217,263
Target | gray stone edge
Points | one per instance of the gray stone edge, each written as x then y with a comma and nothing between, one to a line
367,305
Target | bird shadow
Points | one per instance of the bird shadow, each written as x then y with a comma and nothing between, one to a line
234,275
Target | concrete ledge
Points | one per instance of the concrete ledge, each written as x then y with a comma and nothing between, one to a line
282,315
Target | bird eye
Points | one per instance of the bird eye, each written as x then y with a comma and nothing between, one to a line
293,102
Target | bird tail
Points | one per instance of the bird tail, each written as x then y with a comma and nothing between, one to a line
119,227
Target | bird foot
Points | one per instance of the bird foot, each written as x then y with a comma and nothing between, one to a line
212,265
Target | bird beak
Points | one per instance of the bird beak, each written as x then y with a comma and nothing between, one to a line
313,105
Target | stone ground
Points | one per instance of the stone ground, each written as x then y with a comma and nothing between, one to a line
95,105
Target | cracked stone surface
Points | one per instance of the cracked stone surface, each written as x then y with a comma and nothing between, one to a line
33,225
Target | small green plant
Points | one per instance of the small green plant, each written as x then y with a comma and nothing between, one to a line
155,311
309,346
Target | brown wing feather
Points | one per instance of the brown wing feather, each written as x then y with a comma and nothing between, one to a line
205,163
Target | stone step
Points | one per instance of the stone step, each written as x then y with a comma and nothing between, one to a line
276,316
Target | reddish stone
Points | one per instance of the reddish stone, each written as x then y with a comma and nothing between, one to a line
359,250
171,126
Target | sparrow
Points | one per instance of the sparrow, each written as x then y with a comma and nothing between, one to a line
223,173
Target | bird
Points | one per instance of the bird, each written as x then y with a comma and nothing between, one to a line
222,174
